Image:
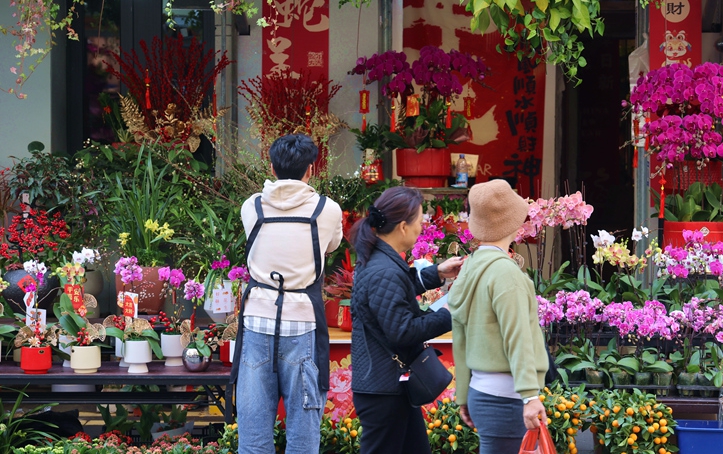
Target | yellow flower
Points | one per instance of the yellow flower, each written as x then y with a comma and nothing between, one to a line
151,225
123,238
165,232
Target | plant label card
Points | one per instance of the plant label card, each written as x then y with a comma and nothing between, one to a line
38,316
128,302
222,299
29,300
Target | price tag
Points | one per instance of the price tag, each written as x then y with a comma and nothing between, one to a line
223,298
128,302
38,316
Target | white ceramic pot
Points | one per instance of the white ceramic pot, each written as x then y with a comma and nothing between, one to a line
231,350
85,359
137,354
64,339
17,354
119,351
172,349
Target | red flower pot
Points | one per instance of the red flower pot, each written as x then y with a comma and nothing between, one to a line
331,310
428,169
36,360
224,353
344,319
673,232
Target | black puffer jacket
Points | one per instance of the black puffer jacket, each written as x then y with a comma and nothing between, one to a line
384,303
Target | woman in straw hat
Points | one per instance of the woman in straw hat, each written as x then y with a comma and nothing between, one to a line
386,316
499,349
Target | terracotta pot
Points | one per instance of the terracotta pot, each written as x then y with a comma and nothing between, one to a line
149,290
673,231
428,169
14,295
36,360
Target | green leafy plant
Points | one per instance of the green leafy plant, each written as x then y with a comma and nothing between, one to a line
632,422
546,30
119,422
699,202
568,412
203,340
429,129
15,431
142,213
135,329
373,138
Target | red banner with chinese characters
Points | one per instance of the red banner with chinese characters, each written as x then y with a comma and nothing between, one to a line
506,116
299,39
675,33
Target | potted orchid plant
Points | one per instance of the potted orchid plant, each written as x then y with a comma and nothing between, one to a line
171,326
425,119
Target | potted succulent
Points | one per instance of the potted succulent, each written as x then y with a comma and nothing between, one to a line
425,120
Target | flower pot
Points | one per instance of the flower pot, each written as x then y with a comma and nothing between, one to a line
428,169
594,377
698,436
331,310
93,282
194,361
662,379
224,354
686,379
36,360
149,290
643,378
673,232
85,359
137,355
45,294
172,349
344,317
621,378
702,380
156,434
119,352
373,172
64,339
17,352
231,349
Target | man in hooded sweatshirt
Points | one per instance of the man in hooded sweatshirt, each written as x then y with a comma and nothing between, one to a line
284,351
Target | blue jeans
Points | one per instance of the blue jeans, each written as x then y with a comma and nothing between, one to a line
504,432
258,391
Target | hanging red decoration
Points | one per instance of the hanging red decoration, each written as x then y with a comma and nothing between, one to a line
147,81
393,119
364,107
647,136
468,109
661,213
448,123
308,119
413,105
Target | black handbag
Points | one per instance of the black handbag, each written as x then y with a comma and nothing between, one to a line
425,378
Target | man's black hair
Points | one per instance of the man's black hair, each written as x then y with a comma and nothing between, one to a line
291,156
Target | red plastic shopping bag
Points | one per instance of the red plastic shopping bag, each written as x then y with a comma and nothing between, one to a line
538,441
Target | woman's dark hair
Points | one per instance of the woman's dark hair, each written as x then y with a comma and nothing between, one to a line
291,156
395,205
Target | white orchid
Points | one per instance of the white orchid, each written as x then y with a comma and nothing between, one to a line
602,239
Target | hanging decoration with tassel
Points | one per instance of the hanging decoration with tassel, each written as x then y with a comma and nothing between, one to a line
364,107
661,212
147,81
308,119
468,111
448,123
393,119
215,112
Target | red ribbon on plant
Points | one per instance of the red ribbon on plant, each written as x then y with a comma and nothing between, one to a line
661,213
147,81
393,119
448,123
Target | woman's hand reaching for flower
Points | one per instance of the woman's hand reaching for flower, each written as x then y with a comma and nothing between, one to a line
450,267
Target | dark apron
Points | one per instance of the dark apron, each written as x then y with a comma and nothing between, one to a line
313,291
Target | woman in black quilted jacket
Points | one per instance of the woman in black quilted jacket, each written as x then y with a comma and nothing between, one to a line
385,312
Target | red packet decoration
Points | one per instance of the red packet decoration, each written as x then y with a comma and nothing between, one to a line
75,292
25,281
413,105
128,301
